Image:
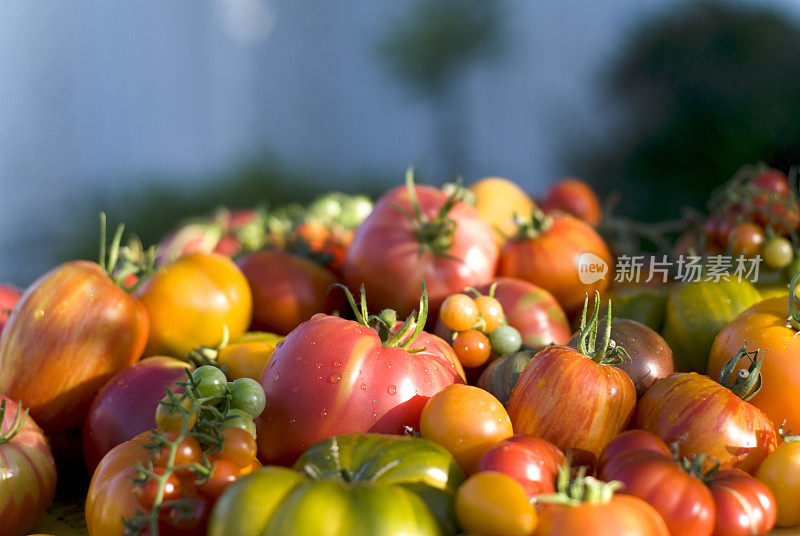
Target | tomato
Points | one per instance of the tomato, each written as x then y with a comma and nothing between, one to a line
9,296
332,376
148,492
778,214
573,398
650,357
472,348
465,420
459,312
778,252
764,326
780,472
414,234
192,300
551,252
677,493
223,474
497,201
71,331
684,407
355,484
641,303
696,312
745,506
27,470
530,460
490,311
746,239
187,452
247,356
126,405
491,503
574,197
631,440
500,377
238,447
287,289
772,180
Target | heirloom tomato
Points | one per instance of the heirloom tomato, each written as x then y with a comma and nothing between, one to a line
530,460
247,356
650,357
575,398
192,301
9,296
72,330
574,197
558,253
491,503
780,472
331,376
27,470
765,326
700,416
497,201
348,485
500,377
287,289
126,405
744,505
415,234
467,421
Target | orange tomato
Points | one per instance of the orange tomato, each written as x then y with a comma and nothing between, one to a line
465,420
192,300
490,503
780,471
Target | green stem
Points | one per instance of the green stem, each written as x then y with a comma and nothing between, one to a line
748,381
534,226
16,424
608,352
794,304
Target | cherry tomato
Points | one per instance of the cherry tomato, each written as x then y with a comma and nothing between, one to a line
746,239
465,420
459,312
170,419
491,311
238,447
780,471
472,348
187,452
149,490
777,252
505,340
240,419
223,474
491,503
248,396
772,180
210,382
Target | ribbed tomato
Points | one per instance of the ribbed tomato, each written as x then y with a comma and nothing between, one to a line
556,253
530,460
745,506
333,376
27,470
415,234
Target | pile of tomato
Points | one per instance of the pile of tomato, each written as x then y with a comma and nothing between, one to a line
434,364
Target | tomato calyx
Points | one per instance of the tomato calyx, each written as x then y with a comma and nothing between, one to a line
608,352
694,465
748,381
16,424
438,234
120,262
572,491
533,226
384,322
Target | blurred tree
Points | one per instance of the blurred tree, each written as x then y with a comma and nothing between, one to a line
432,45
703,90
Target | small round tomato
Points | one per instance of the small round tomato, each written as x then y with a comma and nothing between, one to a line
491,503
465,420
191,302
530,460
238,447
223,474
777,252
148,492
491,311
772,180
746,239
187,452
505,340
459,312
248,396
170,419
574,196
210,382
780,471
472,348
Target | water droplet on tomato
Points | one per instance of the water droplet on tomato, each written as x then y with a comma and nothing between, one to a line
319,365
299,358
392,390
271,364
295,389
374,415
335,378
39,314
672,417
277,377
323,413
337,363
363,386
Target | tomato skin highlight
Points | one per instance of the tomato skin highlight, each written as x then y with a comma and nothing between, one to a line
71,331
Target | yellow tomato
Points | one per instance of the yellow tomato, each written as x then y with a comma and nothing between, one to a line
497,200
465,420
246,359
490,503
780,471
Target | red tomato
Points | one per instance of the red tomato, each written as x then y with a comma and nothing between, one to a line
557,256
395,249
684,407
682,499
530,460
72,330
773,181
574,197
333,376
287,290
126,405
27,472
745,506
572,401
9,296
622,515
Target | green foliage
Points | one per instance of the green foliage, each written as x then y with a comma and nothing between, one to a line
704,90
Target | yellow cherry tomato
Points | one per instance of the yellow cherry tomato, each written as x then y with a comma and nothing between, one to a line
780,471
465,420
490,503
458,312
491,311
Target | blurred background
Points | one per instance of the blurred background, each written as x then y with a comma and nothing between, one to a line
155,111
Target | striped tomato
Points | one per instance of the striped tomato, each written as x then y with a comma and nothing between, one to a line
27,470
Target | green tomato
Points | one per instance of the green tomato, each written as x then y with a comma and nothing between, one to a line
210,382
777,252
505,340
248,395
240,419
